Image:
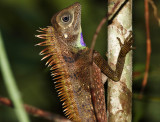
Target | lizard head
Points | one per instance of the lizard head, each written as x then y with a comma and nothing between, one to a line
67,24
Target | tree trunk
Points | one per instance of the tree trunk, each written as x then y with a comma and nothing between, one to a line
119,100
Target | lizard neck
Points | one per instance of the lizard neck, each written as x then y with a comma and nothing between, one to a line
78,44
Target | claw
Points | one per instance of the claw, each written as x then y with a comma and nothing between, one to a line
121,45
129,37
127,46
133,48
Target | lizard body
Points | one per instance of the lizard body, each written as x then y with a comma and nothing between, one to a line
83,100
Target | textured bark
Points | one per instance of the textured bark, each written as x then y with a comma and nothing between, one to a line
119,100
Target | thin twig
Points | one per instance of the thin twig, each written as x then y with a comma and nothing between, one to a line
36,111
155,11
148,50
96,33
93,45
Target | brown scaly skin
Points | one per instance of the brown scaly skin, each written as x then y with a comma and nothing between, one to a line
69,61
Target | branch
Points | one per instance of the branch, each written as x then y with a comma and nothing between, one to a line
148,50
36,111
11,85
155,11
119,97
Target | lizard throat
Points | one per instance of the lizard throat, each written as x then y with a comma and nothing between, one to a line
79,43
82,41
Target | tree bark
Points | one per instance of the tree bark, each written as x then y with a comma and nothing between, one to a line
119,99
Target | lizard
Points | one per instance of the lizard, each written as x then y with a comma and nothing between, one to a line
83,100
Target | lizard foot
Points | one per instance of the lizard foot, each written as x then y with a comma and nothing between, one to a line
127,46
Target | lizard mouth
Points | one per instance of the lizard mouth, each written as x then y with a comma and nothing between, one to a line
76,5
77,16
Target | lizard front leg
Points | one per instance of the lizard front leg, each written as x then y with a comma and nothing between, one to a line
104,66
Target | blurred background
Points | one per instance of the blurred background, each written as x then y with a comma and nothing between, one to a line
19,20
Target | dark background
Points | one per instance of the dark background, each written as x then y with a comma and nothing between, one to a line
19,20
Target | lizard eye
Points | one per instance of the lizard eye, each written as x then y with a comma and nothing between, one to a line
65,18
